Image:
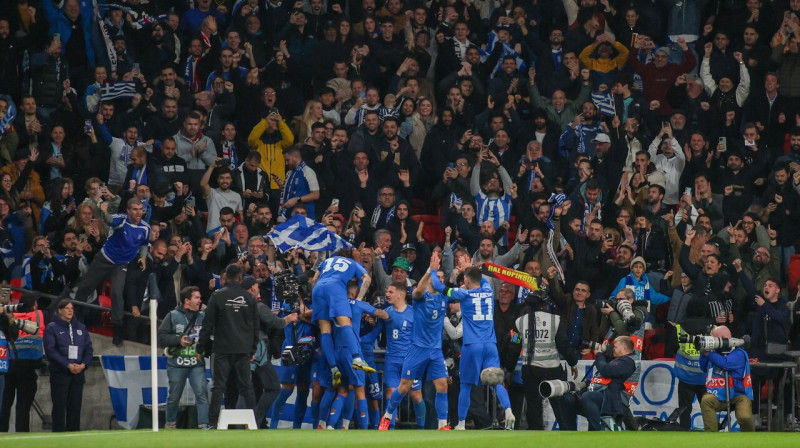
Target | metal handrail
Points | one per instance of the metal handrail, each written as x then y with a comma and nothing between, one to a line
74,302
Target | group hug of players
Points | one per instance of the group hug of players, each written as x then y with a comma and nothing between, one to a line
413,346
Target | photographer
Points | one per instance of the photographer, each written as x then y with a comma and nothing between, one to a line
178,333
625,317
261,366
604,395
8,332
541,354
21,384
732,367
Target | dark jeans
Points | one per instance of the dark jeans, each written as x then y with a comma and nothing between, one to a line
20,381
686,394
477,407
532,377
587,405
224,365
265,380
98,271
66,391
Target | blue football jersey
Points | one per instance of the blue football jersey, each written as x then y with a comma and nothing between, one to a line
477,310
340,270
399,329
429,313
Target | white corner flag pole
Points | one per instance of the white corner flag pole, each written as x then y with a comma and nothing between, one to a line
153,362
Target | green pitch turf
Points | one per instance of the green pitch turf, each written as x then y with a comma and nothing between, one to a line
404,438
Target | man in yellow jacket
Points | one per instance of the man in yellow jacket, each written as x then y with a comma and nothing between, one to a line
270,137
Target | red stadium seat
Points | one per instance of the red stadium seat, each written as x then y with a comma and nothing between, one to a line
432,232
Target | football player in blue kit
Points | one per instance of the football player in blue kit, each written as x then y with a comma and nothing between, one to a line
425,353
399,329
480,343
351,388
330,302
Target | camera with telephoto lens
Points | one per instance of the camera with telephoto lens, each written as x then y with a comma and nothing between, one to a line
625,309
558,388
299,353
709,343
16,308
27,326
592,345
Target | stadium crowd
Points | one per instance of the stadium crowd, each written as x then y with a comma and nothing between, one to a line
600,147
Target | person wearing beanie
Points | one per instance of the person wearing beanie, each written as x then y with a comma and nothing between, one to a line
637,281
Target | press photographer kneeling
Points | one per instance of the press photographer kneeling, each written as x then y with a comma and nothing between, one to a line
730,385
604,395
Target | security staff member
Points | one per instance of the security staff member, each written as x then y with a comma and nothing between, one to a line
691,378
24,360
543,344
69,352
739,388
178,333
232,319
604,395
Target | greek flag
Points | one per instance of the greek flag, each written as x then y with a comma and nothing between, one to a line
605,103
10,115
307,234
507,51
129,385
114,90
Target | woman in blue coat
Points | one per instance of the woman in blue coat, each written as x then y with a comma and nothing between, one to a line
69,352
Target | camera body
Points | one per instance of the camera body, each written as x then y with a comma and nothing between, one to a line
625,309
300,353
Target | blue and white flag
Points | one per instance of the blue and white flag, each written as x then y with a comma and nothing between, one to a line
10,115
507,51
604,103
114,90
130,387
307,234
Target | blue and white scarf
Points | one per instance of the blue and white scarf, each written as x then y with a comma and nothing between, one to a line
507,51
555,200
289,187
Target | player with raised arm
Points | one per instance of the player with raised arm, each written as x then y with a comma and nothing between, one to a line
425,352
329,301
480,343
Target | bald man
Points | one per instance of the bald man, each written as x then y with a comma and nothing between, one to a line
736,364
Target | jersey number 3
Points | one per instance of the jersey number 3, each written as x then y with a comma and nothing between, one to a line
479,310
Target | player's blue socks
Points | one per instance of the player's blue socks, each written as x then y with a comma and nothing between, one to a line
441,405
363,416
277,407
353,344
300,406
336,410
328,349
394,402
464,400
419,413
502,396
374,418
325,406
347,409
314,413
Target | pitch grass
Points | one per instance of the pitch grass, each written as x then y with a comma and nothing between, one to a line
403,438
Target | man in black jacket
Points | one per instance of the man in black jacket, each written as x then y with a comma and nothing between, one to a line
232,319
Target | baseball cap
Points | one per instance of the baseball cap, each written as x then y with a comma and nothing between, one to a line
601,138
